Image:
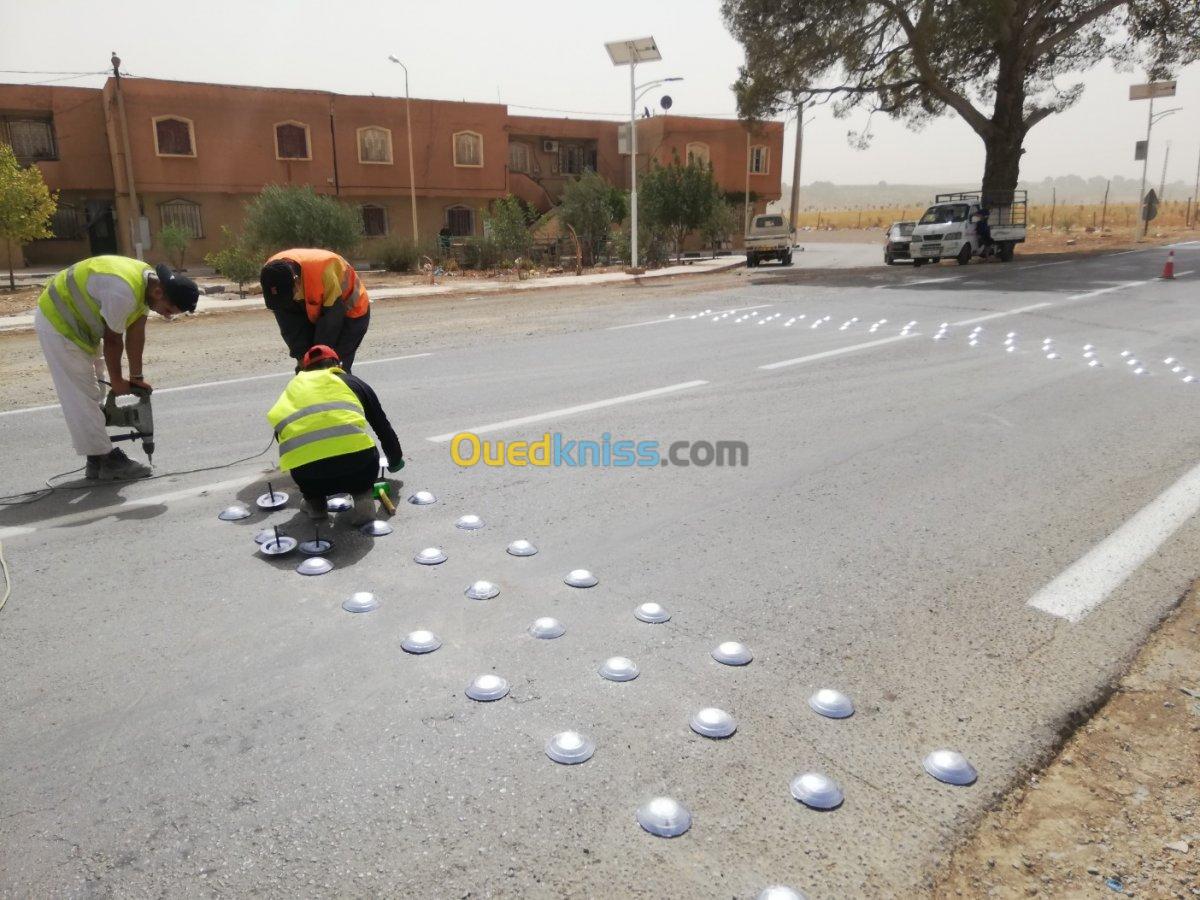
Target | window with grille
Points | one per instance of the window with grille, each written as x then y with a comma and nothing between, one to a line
461,221
173,136
374,145
374,220
697,154
518,158
468,149
182,213
31,139
291,141
572,159
758,160
68,223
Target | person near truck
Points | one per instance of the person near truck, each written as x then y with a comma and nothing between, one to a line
983,228
317,298
94,310
320,421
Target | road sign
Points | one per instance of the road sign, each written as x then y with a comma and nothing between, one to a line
1151,90
1139,151
1150,206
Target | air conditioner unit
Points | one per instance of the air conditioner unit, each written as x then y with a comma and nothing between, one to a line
549,146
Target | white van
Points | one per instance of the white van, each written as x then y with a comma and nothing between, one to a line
951,228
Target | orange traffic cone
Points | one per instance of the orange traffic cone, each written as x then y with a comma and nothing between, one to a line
1168,272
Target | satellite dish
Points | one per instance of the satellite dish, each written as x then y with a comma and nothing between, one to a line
666,101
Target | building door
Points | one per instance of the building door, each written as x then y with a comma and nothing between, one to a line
102,231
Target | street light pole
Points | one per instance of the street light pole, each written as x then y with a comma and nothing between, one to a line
633,204
1145,162
412,181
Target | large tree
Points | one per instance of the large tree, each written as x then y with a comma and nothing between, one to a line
1001,65
26,205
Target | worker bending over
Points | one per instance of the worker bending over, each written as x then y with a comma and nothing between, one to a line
103,302
320,421
317,298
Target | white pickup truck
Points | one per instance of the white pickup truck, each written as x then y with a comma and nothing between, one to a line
953,228
770,237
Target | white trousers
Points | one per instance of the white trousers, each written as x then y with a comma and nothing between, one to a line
75,373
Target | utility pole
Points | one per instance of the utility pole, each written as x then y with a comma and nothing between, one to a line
1162,184
1053,204
1196,189
1145,162
1104,210
135,211
796,164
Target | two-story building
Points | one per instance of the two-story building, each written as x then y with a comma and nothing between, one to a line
198,152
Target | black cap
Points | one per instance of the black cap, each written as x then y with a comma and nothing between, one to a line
180,289
277,278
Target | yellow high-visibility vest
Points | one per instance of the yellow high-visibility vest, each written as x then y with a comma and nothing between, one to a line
75,314
317,416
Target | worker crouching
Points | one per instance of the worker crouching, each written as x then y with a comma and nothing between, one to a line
320,421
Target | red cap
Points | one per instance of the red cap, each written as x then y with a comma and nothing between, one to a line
319,354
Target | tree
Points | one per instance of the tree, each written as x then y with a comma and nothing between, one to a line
283,217
505,224
678,198
591,206
26,206
914,59
235,260
722,224
175,240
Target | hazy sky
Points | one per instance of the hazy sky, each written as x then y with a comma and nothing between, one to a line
551,55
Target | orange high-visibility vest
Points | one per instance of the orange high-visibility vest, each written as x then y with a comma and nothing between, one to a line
313,264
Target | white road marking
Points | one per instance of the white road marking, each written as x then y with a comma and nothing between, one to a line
116,509
568,411
904,284
1060,262
1188,272
1089,581
1074,297
799,360
684,316
224,381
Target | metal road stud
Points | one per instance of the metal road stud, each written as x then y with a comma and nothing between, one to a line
360,602
420,641
652,613
1131,361
780,892
1175,370
664,817
817,791
376,528
469,522
619,668
422,498
338,503
265,535
314,565
951,767
272,499
732,653
279,545
1094,364
1010,349
521,547
1052,355
1139,371
486,688
1188,379
1126,353
234,513
547,628
570,748
831,703
1169,361
581,578
713,723
430,556
482,590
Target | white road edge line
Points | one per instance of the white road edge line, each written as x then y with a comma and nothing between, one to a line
568,411
116,509
224,381
826,354
1089,581
1024,309
686,316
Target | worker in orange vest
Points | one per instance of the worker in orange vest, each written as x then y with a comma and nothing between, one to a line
317,298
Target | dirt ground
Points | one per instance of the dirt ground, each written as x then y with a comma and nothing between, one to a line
1118,810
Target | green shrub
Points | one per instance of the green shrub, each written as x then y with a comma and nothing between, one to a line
397,255
506,226
235,260
175,240
480,253
283,217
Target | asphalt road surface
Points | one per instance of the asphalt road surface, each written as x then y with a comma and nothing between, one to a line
968,541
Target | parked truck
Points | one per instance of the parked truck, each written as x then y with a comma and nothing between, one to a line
769,237
956,227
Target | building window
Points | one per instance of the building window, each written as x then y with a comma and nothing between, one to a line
291,141
375,145
468,149
374,220
461,221
174,136
183,214
31,139
518,158
758,160
697,154
68,223
573,159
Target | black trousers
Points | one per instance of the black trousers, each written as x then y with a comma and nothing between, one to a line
300,334
350,473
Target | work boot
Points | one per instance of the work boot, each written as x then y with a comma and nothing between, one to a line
315,508
115,466
364,509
